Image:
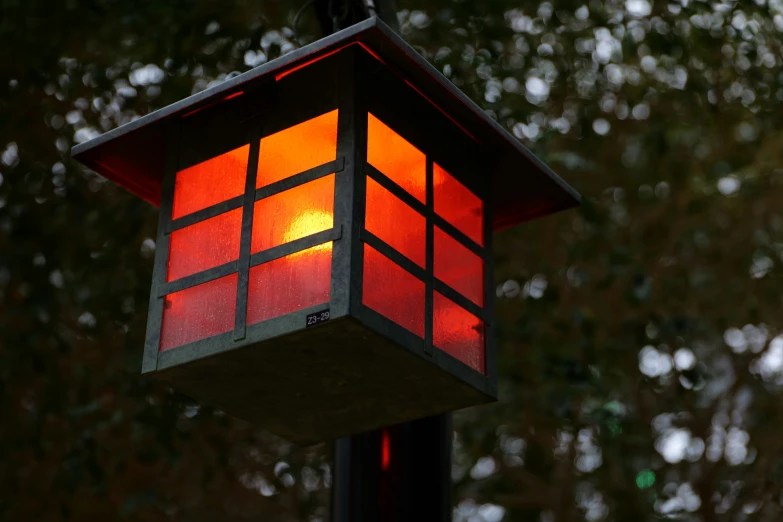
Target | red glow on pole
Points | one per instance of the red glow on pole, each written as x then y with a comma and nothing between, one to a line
385,451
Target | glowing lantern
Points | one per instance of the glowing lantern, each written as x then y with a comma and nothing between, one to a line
323,261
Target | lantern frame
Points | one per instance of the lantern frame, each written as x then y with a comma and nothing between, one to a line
359,78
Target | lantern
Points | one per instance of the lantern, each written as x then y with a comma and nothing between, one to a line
324,253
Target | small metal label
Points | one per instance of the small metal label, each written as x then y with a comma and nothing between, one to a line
318,318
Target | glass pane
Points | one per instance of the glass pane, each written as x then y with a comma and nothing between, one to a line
391,291
199,312
458,267
298,148
293,214
290,283
210,182
388,152
205,245
395,222
458,332
458,205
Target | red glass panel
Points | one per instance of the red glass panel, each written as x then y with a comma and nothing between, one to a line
395,222
199,312
205,245
458,205
458,332
391,291
458,267
210,182
293,214
298,148
390,153
290,283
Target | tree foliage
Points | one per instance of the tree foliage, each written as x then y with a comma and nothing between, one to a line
641,366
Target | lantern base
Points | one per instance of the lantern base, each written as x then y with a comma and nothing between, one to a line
323,382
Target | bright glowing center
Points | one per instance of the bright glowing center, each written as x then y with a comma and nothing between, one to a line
307,223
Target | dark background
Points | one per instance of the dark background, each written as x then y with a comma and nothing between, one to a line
640,372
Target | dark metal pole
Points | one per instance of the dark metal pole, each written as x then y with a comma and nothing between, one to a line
395,474
401,473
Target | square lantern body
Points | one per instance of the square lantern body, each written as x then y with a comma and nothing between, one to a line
323,261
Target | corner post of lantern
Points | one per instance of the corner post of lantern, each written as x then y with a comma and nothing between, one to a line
157,298
348,209
490,329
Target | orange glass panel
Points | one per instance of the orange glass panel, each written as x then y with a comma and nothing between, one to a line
199,312
395,222
290,283
458,205
293,214
391,291
205,245
390,153
210,182
458,267
458,332
298,148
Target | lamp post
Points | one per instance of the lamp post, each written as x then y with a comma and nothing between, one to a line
323,264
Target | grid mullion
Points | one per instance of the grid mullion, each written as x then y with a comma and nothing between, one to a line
243,263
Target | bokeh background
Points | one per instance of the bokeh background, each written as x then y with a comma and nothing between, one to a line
641,359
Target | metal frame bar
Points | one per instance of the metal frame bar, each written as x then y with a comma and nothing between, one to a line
344,264
300,179
297,245
150,359
359,118
490,335
243,263
206,213
198,278
429,256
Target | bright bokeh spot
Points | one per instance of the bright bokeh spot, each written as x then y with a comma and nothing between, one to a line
645,479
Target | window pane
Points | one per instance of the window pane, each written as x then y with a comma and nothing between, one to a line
458,205
298,148
205,245
458,267
290,283
391,291
390,153
395,222
210,182
293,214
458,332
199,312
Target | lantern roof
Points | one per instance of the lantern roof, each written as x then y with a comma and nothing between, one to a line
524,188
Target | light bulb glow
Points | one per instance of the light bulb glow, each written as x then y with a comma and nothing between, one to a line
307,223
